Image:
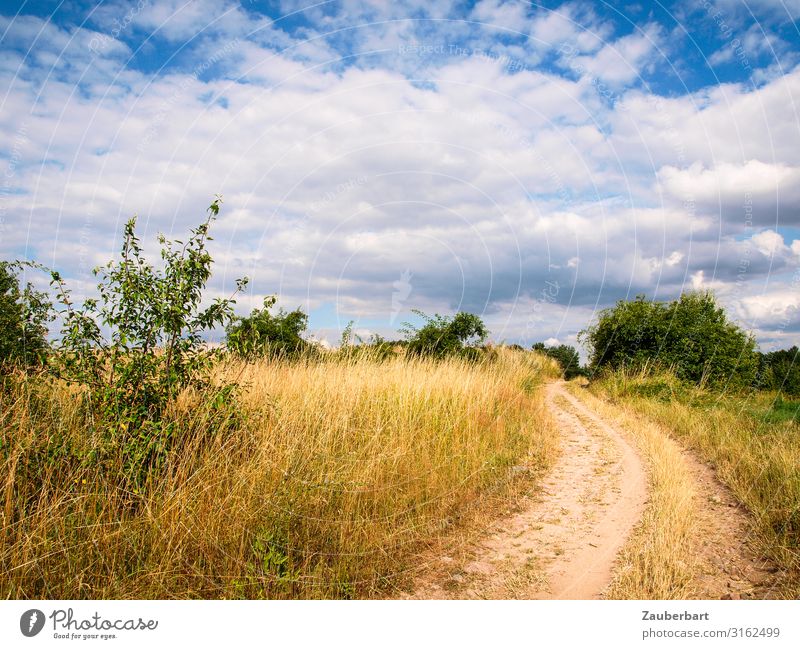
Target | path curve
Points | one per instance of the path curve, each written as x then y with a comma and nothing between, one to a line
564,543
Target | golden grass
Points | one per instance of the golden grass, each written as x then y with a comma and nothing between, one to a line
656,562
757,457
327,481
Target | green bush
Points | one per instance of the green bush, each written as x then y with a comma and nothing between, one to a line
690,335
24,314
377,348
263,333
780,370
442,336
567,357
140,343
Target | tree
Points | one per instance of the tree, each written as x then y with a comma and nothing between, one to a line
262,333
443,335
139,344
780,370
567,357
690,335
24,314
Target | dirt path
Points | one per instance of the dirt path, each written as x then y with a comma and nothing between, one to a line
564,542
730,564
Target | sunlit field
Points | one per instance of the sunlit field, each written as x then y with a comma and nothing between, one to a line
327,478
751,438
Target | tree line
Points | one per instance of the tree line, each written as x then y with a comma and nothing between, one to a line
155,324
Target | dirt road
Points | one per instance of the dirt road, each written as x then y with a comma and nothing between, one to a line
564,542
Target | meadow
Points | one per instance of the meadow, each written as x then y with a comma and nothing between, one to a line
325,480
751,438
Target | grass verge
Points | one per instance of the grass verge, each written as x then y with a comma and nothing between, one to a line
750,440
655,562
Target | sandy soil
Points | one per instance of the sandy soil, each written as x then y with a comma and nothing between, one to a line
731,567
563,542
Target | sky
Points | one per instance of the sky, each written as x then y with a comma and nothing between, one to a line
529,162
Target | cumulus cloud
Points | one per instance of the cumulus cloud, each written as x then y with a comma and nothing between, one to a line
521,192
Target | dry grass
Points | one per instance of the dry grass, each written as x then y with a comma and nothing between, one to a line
326,481
754,452
656,562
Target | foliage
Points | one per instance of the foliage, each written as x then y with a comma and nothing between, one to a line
691,335
24,314
376,348
780,370
567,357
153,350
263,333
442,336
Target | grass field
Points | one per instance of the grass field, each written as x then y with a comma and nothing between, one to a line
752,439
325,481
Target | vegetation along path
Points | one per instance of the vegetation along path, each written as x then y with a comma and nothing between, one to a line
566,540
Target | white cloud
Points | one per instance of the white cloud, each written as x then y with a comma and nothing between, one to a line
489,188
768,243
622,61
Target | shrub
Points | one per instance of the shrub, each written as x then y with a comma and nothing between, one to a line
153,350
691,335
24,314
780,370
567,357
442,336
263,333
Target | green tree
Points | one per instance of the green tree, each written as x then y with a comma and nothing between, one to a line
780,370
140,343
691,335
443,335
24,314
567,357
263,333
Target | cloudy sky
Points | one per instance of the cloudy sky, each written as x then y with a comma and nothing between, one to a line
530,162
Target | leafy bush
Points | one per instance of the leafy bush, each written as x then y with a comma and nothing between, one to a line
442,336
691,335
23,317
780,370
262,333
567,357
154,322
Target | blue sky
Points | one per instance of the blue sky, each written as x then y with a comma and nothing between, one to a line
531,162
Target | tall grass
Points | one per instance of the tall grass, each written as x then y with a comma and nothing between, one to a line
325,481
754,449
